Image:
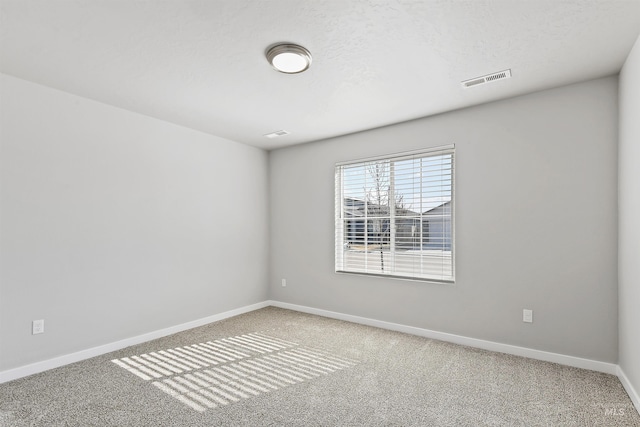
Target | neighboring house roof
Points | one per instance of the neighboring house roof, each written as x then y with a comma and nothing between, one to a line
354,207
437,206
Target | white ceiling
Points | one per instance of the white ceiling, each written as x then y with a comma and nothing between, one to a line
201,63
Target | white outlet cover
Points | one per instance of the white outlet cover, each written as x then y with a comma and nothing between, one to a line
527,316
37,327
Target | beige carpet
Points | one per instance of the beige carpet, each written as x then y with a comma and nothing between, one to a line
275,367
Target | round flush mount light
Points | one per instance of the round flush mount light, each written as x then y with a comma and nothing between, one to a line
289,58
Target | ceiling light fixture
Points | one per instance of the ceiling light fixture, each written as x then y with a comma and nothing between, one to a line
289,58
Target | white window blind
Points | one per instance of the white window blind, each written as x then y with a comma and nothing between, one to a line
394,215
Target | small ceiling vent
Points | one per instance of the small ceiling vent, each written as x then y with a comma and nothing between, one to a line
277,134
500,75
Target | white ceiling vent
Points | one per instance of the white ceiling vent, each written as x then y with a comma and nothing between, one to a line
277,134
500,75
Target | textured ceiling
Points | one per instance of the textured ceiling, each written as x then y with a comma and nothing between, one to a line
201,63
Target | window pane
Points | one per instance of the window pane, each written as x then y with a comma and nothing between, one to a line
395,216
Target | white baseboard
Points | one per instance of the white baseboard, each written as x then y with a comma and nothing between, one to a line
34,368
632,392
562,359
608,368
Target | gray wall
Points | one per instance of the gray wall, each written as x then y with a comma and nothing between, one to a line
114,224
536,223
629,218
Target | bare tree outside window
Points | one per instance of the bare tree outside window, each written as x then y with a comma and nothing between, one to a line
377,200
378,195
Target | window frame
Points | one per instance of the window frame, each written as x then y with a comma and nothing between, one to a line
341,228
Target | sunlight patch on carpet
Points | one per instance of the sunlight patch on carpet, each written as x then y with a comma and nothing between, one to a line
217,373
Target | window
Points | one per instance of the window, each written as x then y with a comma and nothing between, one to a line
394,215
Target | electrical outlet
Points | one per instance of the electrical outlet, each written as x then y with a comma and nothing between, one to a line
527,316
37,327
284,283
